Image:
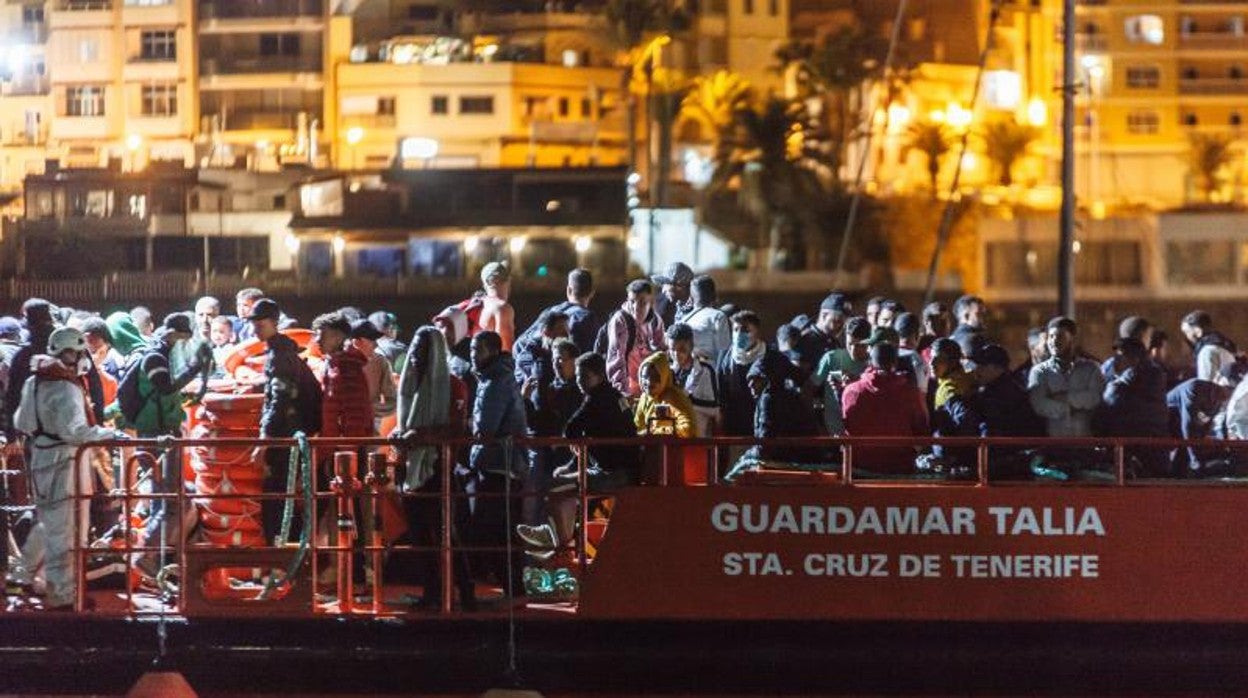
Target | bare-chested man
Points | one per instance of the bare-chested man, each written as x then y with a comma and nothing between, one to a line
497,315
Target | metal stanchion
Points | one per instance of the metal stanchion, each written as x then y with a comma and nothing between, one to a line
1120,464
981,460
376,480
448,575
346,486
582,489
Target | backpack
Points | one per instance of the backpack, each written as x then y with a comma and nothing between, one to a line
130,399
603,340
309,399
471,308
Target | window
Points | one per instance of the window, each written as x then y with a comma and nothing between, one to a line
422,13
160,100
1143,76
1235,72
1190,120
1191,74
587,108
32,14
564,107
1200,262
279,44
476,105
84,100
439,105
385,106
88,50
1143,122
159,46
1146,29
773,8
747,6
1109,264
1236,119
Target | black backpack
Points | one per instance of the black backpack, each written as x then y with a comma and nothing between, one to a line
131,400
309,399
603,340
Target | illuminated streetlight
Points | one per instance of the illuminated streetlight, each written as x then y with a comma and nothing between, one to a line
133,142
470,244
1037,112
583,243
339,244
957,116
355,134
516,245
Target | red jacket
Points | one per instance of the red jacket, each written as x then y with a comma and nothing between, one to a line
347,408
884,404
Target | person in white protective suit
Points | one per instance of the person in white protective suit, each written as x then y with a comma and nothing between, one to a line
54,413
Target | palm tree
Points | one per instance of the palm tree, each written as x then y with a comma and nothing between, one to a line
776,189
933,140
836,70
1005,143
667,93
717,99
628,22
1209,155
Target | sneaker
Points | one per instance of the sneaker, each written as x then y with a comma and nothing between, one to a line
540,537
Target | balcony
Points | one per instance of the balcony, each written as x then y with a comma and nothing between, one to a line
258,120
260,9
26,86
84,6
28,34
1091,42
1213,40
25,138
257,65
1213,86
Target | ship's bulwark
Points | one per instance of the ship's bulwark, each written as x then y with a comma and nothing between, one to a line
465,657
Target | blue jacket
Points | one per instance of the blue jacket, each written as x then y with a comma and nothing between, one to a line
498,412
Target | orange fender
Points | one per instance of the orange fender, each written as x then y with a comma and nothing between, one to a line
254,348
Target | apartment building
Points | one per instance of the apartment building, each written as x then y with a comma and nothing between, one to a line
1156,74
498,114
25,99
121,74
262,81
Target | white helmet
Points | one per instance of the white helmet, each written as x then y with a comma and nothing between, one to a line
64,339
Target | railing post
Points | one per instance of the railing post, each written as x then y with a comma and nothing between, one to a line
663,465
1120,464
847,463
582,490
75,503
377,478
345,485
712,466
448,575
981,461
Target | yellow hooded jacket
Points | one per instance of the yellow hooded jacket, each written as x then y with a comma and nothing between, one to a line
669,394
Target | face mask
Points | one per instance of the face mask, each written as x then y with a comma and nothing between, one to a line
741,340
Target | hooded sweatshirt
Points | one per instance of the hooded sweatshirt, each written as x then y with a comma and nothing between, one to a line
668,394
498,412
884,403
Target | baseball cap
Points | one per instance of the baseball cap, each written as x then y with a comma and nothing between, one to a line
990,355
10,327
363,329
883,335
677,273
836,302
265,309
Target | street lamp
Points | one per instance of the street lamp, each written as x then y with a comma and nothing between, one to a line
355,134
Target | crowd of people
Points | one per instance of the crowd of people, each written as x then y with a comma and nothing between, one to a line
671,359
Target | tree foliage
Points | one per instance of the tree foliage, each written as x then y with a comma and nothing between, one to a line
1006,141
1209,156
934,140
